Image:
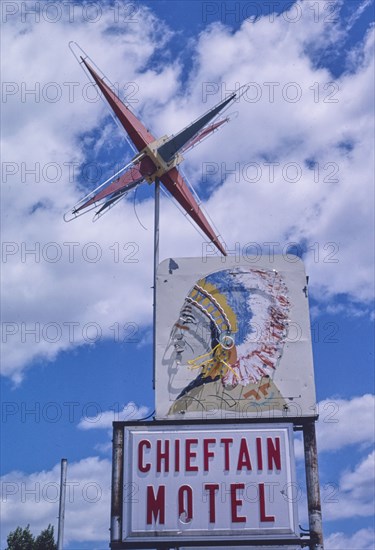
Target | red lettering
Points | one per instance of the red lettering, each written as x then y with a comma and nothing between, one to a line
189,454
244,456
160,455
207,454
188,508
262,505
226,442
211,488
273,453
177,455
155,505
236,502
141,466
259,453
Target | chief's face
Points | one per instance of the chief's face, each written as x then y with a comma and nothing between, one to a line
191,338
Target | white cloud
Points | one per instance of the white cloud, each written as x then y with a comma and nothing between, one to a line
131,411
356,481
34,499
364,539
347,494
343,422
355,495
61,276
362,7
327,205
97,295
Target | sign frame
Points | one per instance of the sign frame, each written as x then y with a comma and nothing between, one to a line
120,479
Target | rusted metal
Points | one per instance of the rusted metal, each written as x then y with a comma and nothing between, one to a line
117,483
312,484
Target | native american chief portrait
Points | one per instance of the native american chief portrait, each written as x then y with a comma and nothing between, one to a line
233,339
229,336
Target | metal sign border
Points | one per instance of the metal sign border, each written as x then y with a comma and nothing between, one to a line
163,543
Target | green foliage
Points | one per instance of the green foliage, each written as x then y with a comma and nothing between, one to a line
20,539
23,539
45,541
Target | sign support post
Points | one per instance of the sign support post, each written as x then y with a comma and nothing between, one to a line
117,483
156,263
312,484
60,535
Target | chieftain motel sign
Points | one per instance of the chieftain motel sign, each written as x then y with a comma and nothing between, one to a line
209,482
234,379
233,374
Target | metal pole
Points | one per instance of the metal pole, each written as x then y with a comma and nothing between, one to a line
117,477
312,484
156,263
60,532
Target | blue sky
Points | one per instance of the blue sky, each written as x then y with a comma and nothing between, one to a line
86,288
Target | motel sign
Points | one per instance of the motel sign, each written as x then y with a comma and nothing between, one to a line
232,346
234,379
207,483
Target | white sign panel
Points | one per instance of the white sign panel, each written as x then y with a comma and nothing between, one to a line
201,482
233,339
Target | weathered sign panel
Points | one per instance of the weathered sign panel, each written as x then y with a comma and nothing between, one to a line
233,339
209,482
